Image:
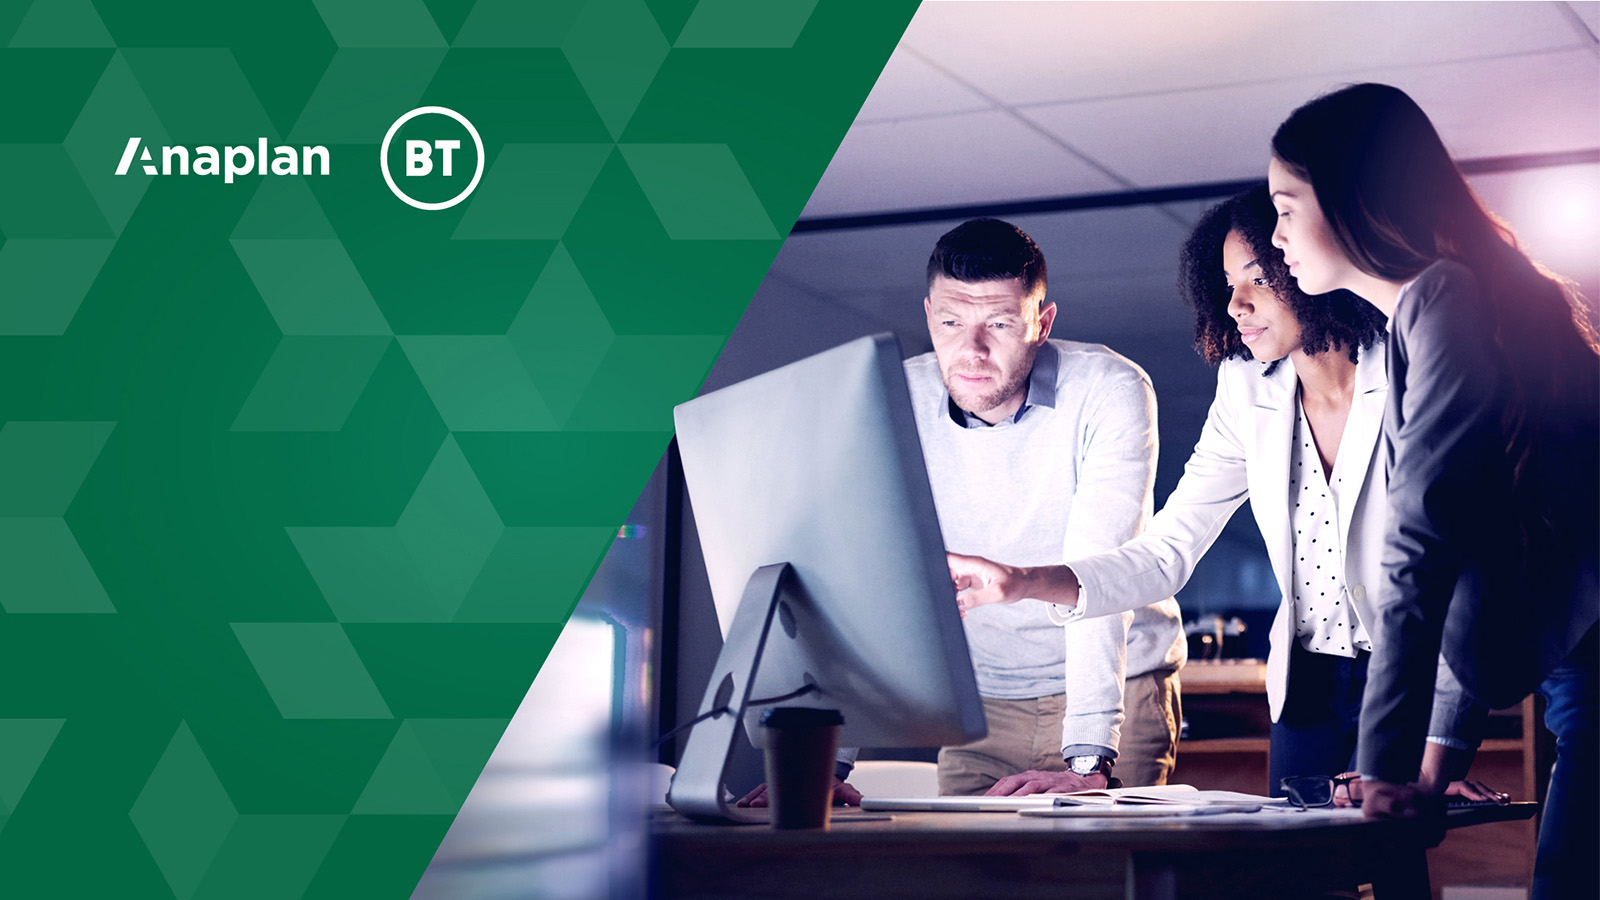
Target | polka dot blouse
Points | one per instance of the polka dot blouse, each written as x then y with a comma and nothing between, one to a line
1325,621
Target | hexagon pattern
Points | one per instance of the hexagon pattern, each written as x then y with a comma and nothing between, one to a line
206,849
298,483
184,813
23,744
42,466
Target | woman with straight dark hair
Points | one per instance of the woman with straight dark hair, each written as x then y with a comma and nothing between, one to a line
1493,549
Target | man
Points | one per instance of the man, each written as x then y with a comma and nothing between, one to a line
1040,451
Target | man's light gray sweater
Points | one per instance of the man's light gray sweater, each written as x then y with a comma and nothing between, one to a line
1070,475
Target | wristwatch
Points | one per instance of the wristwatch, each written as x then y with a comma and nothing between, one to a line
1090,765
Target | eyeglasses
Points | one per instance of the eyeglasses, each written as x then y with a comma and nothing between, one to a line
1310,791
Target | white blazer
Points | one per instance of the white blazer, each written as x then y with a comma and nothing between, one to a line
1244,451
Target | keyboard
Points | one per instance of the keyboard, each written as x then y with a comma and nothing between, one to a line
1464,803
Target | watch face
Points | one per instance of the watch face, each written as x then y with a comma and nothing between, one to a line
1084,765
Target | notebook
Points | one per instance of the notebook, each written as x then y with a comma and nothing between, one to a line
1172,794
1182,794
959,804
1140,811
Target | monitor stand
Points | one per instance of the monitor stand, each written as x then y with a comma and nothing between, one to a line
696,789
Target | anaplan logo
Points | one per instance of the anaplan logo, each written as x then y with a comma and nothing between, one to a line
229,162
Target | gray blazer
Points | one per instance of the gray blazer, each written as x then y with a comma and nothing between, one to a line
1456,577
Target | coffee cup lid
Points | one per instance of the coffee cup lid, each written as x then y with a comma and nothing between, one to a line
800,717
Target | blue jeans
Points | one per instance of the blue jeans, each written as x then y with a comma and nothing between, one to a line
1316,732
1568,862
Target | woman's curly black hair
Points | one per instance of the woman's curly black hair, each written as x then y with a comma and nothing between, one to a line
1326,321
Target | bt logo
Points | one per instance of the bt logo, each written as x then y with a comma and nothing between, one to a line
436,149
419,156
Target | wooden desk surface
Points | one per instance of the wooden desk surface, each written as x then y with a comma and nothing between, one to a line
937,855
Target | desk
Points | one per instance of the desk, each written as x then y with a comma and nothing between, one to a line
1225,704
958,855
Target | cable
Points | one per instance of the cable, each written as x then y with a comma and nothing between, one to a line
717,713
801,692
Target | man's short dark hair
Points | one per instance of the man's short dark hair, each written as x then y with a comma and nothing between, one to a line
988,250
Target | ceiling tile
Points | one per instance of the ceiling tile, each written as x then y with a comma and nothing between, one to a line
1022,53
968,158
910,88
905,152
1529,104
1589,15
1180,137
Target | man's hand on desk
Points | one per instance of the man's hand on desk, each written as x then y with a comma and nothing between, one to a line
1036,782
843,795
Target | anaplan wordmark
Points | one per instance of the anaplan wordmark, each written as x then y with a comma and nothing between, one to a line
229,162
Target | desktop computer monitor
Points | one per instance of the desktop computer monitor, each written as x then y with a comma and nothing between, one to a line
826,563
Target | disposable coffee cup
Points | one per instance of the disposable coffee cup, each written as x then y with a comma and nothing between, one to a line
801,746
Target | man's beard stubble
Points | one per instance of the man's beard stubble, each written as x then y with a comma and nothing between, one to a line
980,403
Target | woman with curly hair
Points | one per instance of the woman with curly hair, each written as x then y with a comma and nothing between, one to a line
1299,441
1492,551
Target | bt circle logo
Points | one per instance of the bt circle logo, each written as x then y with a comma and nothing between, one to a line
433,156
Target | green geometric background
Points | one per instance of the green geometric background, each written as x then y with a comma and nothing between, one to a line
298,483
